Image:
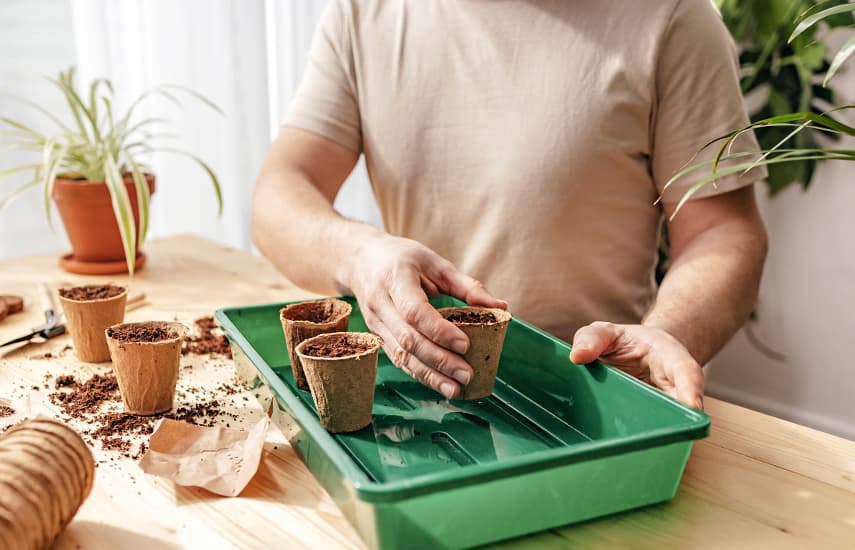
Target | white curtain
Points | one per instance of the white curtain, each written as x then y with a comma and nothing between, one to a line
248,57
34,40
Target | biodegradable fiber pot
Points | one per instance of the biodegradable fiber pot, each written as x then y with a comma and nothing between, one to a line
341,368
89,310
486,337
87,213
307,320
145,360
47,472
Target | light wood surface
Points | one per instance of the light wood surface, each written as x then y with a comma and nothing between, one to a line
756,482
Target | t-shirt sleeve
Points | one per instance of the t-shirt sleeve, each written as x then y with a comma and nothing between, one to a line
326,101
698,98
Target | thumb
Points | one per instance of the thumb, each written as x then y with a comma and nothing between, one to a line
675,368
592,341
689,383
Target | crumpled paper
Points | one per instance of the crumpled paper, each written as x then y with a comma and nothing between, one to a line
218,459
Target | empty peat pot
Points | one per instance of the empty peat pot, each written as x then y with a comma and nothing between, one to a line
486,328
89,310
307,320
47,472
145,361
341,369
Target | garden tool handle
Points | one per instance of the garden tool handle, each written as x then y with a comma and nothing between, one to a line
48,304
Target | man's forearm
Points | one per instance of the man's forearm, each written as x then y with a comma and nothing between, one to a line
711,288
298,230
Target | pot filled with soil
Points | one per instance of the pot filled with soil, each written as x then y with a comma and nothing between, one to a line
341,368
145,360
86,210
486,329
307,320
89,310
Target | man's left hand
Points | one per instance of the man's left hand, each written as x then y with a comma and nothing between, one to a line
646,352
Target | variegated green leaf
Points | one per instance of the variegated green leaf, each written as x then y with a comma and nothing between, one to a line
122,210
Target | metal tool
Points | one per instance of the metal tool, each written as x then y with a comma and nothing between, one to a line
53,323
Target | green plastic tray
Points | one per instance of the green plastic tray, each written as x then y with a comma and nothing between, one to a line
555,444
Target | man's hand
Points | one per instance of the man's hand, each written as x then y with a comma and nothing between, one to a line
391,278
647,352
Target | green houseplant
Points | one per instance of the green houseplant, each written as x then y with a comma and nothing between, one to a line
784,73
780,75
786,150
93,168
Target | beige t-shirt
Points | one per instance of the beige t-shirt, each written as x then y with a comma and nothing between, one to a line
527,141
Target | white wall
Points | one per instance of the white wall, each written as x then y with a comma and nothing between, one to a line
807,304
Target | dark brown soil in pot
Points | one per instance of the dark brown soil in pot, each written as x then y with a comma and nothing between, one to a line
91,292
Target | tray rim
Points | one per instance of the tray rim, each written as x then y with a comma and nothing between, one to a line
696,426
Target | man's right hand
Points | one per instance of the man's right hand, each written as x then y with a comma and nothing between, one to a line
391,278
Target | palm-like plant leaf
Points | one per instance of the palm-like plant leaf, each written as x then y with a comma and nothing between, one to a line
211,175
812,19
143,198
122,210
840,58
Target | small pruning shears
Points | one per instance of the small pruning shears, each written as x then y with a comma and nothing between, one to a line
53,325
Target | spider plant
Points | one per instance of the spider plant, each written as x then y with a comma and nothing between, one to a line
793,124
99,145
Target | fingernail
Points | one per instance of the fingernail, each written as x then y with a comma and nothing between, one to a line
459,346
447,389
579,349
462,376
699,405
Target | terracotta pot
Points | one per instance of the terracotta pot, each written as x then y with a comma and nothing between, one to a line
87,212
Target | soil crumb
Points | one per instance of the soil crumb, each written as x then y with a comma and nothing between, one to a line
6,411
208,340
140,333
471,317
91,292
95,403
87,397
65,381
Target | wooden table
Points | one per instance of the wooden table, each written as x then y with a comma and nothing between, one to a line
756,482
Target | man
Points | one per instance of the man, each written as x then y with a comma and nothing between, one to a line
527,143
